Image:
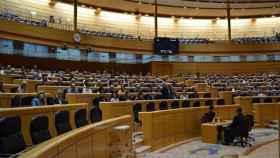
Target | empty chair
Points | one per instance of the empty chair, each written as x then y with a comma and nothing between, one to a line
209,102
267,100
186,104
11,138
207,95
150,107
95,114
39,129
16,101
81,118
196,103
62,123
26,101
163,105
256,100
175,105
136,109
221,102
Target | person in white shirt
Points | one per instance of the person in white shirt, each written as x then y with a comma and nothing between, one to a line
86,88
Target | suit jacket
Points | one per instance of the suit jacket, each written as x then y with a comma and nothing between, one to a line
208,117
59,101
238,122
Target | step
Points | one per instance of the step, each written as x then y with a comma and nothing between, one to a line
138,143
274,122
141,151
272,126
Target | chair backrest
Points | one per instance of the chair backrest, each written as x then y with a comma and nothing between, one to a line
39,129
62,122
136,109
150,106
50,101
26,101
11,138
251,121
196,103
209,102
16,101
186,104
207,95
267,100
221,102
163,105
244,127
175,105
81,118
256,100
95,114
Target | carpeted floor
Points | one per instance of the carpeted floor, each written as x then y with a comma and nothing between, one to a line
198,149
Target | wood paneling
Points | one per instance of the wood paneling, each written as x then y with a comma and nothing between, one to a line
48,36
225,68
52,64
266,112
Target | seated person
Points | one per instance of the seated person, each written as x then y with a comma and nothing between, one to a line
2,87
86,88
209,116
73,88
39,100
114,97
22,88
235,127
124,97
140,96
60,98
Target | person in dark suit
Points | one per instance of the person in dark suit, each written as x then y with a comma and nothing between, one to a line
209,116
166,92
73,88
60,98
2,87
235,127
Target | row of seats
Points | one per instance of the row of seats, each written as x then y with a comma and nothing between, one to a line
16,18
257,40
174,105
11,137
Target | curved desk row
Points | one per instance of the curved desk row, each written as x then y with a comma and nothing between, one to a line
162,128
26,115
116,109
96,140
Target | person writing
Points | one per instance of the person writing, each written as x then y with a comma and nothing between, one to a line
209,116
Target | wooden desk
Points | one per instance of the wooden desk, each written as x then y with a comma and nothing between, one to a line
6,98
162,128
30,84
95,140
9,87
27,113
209,131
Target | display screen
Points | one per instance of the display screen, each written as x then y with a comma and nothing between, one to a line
166,46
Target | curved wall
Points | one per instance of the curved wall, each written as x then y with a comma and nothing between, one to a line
128,24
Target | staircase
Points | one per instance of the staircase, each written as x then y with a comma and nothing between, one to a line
138,145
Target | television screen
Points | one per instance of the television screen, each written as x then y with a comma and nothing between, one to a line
166,46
